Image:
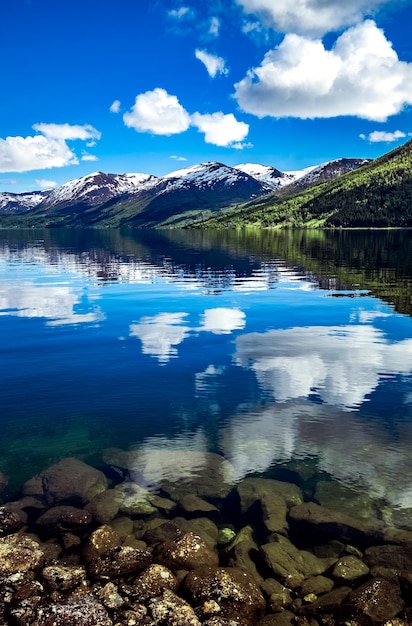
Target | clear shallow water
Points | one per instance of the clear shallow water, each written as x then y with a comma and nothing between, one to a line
267,348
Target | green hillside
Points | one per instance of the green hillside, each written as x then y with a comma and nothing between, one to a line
378,195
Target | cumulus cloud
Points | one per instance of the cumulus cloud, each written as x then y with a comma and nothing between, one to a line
360,76
341,364
214,64
310,17
44,151
222,320
380,135
157,112
220,129
45,184
66,131
115,106
161,334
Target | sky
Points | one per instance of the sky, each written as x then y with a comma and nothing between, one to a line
152,86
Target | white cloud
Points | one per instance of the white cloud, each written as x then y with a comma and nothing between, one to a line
45,184
214,64
178,158
44,151
222,320
157,112
161,334
89,157
214,27
381,135
341,364
360,76
220,129
115,106
310,17
23,154
181,13
66,131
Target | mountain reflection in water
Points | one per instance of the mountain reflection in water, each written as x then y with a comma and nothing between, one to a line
173,341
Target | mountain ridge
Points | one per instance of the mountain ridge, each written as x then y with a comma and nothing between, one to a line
178,198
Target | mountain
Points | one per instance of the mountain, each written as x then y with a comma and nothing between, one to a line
11,203
179,198
376,194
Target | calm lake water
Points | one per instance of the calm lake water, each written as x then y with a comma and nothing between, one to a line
275,350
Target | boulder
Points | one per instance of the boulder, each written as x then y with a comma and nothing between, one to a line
377,599
225,592
177,472
10,521
82,610
117,562
63,577
171,610
64,518
104,506
100,541
350,568
153,581
70,480
311,517
19,553
251,490
290,565
188,552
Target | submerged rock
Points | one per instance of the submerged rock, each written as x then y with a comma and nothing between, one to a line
19,553
63,577
225,592
290,565
153,581
83,610
64,518
120,561
377,599
188,552
171,610
10,521
67,481
311,517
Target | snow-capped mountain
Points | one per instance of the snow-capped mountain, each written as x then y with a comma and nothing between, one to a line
95,189
268,174
146,200
324,172
20,202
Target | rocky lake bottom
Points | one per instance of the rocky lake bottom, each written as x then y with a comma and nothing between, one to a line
120,545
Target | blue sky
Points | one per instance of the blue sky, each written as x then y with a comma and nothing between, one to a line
155,85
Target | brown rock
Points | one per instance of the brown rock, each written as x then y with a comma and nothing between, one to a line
171,610
328,602
100,541
234,593
10,521
188,553
290,565
68,480
83,610
19,553
64,518
251,490
153,581
377,599
193,504
110,596
317,585
104,506
118,562
63,577
310,517
350,568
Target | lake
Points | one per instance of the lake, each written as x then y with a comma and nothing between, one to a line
287,353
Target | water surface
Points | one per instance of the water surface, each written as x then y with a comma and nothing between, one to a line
270,349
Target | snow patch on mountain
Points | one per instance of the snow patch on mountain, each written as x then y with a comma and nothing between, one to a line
20,202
